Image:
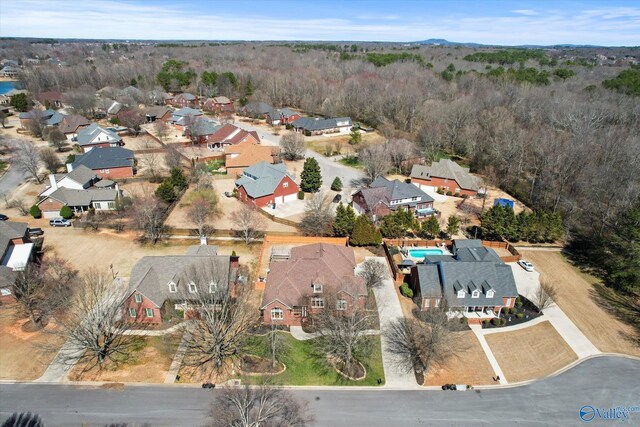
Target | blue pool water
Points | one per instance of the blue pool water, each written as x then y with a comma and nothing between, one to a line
421,253
6,87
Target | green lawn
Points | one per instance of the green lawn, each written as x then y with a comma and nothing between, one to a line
351,161
303,369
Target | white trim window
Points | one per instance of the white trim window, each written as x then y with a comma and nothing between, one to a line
193,288
173,288
137,298
277,313
148,312
461,293
475,294
133,312
213,287
427,301
341,304
317,302
317,288
285,184
490,293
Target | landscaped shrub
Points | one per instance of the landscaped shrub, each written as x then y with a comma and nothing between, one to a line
520,315
449,193
66,212
336,185
393,250
440,190
485,322
406,291
495,321
307,133
300,195
512,310
288,126
35,212
518,304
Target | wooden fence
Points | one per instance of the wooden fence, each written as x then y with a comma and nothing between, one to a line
416,242
278,220
515,255
274,238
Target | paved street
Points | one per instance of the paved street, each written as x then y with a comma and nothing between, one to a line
601,382
11,180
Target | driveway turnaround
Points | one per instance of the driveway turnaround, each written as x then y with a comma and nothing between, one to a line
388,310
600,383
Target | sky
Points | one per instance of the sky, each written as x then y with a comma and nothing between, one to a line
604,22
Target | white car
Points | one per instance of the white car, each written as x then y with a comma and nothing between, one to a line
526,265
60,222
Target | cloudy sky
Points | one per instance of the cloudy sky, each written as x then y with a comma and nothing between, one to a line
605,22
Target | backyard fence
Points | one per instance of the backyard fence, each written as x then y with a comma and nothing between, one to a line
278,220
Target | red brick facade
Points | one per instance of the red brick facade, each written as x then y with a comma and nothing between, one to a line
114,173
444,183
287,187
140,310
296,315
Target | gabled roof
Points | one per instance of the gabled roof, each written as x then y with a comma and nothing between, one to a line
179,115
82,175
262,179
114,108
249,154
205,127
282,112
88,135
317,124
70,124
477,254
397,190
446,169
10,230
332,266
156,111
83,197
105,158
220,100
186,96
258,108
42,97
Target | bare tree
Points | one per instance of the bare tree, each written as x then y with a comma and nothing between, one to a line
162,129
292,145
373,272
173,158
258,406
417,344
3,119
18,204
50,160
36,124
203,206
57,139
318,216
94,324
82,100
132,120
375,160
151,162
400,151
27,158
545,295
278,346
148,215
249,222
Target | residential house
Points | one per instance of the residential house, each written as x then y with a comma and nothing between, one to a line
282,116
217,104
220,136
309,279
158,97
159,112
17,252
185,117
264,184
9,71
183,100
240,156
70,125
162,284
114,109
107,162
474,282
445,174
383,197
318,126
46,117
50,99
257,109
80,189
96,136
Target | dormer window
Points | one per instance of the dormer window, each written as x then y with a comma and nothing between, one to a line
193,288
173,288
461,293
213,286
475,294
317,288
490,293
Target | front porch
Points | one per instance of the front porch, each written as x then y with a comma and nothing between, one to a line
474,315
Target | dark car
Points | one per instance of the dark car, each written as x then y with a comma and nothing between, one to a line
208,385
36,231
3,217
337,199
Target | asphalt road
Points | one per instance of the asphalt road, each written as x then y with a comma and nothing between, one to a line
11,180
601,382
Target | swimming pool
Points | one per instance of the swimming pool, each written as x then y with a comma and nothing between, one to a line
422,252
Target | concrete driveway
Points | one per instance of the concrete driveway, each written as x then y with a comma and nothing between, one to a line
284,210
388,310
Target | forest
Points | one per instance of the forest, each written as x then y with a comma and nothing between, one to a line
552,127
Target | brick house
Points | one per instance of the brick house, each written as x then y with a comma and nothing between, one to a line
256,109
473,282
445,174
264,184
185,117
161,284
109,162
183,100
46,117
318,126
282,116
383,197
70,125
220,136
95,135
159,112
217,104
17,253
241,156
301,283
50,99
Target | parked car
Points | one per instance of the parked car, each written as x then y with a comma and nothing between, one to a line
208,385
337,198
526,265
36,231
60,222
228,194
3,217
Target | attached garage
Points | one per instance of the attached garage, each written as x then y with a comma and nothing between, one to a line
289,197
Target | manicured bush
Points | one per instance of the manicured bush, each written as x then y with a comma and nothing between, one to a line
35,212
66,212
300,195
336,185
307,133
406,291
519,315
166,191
512,310
288,126
465,196
449,193
495,321
485,322
518,304
440,190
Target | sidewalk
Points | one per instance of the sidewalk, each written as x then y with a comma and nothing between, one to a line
298,333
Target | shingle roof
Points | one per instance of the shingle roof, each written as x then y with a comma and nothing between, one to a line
81,175
262,178
317,124
398,190
331,266
10,230
186,96
258,108
477,254
88,135
448,169
105,158
156,111
248,154
221,100
204,127
70,124
83,197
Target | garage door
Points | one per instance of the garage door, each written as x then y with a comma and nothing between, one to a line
289,197
50,214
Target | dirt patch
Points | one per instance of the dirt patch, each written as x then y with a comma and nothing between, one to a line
469,366
255,365
530,353
24,355
574,298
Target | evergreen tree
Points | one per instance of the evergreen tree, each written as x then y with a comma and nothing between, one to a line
166,191
66,212
430,228
453,225
499,223
20,102
345,220
622,258
355,137
336,185
311,177
248,88
365,232
177,179
392,227
35,211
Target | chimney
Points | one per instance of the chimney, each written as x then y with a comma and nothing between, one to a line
203,240
52,181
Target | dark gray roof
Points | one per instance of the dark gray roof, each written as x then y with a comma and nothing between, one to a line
84,197
7,277
429,280
82,175
477,275
262,178
398,190
152,275
449,169
202,250
88,135
477,254
10,230
105,158
186,111
317,124
434,259
466,243
204,127
156,111
258,108
186,95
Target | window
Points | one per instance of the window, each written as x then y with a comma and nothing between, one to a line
413,199
317,302
133,312
173,288
137,298
490,293
148,312
5,292
213,286
285,185
437,302
111,205
507,302
461,294
475,294
193,288
277,314
427,301
317,288
341,304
